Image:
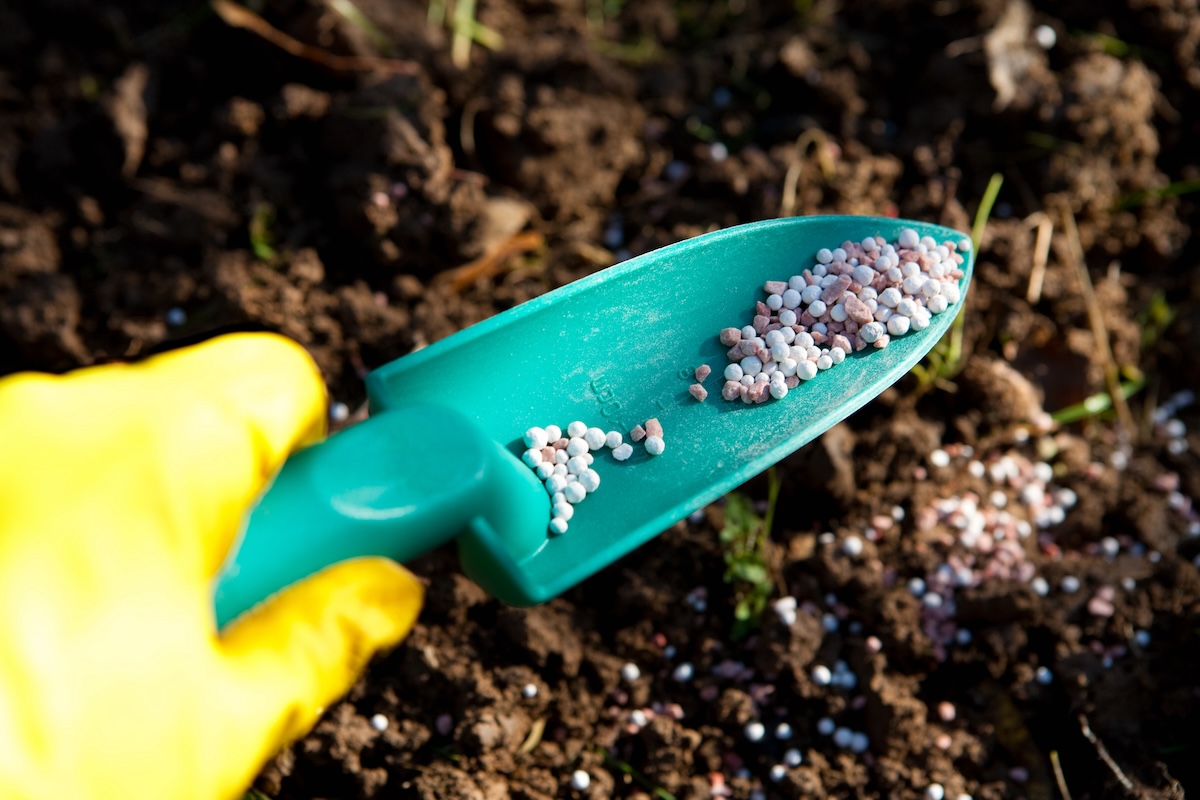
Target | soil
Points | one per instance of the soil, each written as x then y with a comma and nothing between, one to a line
165,176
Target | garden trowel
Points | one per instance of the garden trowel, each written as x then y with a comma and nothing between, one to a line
439,458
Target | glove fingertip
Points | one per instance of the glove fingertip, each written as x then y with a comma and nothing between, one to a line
279,382
309,643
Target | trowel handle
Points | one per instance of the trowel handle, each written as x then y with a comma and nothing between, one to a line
397,485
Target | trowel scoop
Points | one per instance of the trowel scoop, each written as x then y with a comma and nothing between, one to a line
439,457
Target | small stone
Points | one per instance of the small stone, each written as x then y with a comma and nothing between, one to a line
821,675
842,737
857,310
1045,36
1101,605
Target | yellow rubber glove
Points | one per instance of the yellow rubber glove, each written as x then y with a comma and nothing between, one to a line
121,490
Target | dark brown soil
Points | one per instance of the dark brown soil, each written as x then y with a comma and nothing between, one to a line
153,158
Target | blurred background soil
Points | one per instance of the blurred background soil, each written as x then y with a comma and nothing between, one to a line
165,175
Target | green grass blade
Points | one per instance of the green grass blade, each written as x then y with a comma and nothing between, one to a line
627,769
1137,199
1095,404
945,359
358,19
985,209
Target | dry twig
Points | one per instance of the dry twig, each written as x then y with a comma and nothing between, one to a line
1041,254
492,262
1102,751
1058,775
1112,375
238,16
811,137
466,126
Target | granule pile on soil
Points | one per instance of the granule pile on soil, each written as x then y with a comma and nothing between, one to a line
975,572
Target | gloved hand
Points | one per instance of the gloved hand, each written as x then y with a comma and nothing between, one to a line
122,488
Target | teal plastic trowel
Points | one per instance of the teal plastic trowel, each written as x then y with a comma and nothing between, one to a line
439,457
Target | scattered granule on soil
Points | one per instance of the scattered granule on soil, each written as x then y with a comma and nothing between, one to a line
985,536
857,295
